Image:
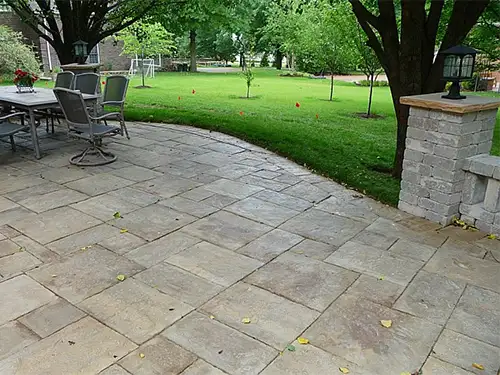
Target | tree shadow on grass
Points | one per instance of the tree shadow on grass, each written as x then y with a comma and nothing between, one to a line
252,97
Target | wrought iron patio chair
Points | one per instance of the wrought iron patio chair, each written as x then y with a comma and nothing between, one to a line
82,125
9,129
63,80
115,91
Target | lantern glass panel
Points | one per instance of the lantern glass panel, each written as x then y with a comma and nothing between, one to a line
467,66
451,67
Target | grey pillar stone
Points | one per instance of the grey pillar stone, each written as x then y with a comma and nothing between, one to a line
441,135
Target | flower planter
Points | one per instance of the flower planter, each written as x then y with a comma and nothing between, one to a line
22,89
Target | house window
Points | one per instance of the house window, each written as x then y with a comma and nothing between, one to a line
94,57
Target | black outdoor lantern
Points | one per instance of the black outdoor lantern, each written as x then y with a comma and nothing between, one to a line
458,66
80,51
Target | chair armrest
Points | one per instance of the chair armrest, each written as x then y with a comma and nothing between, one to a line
12,115
104,116
112,102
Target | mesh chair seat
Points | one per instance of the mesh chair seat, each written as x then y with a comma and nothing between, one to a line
9,128
115,91
98,130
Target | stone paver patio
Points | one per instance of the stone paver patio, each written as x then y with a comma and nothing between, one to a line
215,231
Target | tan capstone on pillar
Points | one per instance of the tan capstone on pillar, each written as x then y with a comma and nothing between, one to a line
442,133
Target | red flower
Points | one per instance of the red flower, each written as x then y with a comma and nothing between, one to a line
297,105
103,82
241,113
194,91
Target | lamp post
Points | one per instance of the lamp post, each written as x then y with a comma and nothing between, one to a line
459,64
80,51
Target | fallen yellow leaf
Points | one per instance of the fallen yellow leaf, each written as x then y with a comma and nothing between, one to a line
117,215
405,373
381,278
124,231
303,340
141,355
54,275
121,277
246,320
492,237
212,317
344,370
386,323
478,366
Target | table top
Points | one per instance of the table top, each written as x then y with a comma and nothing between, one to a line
41,97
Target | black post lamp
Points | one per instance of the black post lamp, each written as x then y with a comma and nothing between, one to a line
80,51
458,66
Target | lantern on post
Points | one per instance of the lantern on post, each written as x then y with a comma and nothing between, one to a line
459,64
80,51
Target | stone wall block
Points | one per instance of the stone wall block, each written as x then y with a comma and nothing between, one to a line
412,177
442,186
484,227
486,115
451,140
482,167
482,136
414,189
467,219
453,117
419,112
460,128
484,148
422,146
411,209
438,218
445,198
492,196
477,211
474,189
441,162
438,208
413,155
408,197
448,174
455,152
415,167
416,133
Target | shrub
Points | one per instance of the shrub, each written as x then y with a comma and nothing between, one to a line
15,54
366,83
470,85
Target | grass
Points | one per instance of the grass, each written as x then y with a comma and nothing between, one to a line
337,144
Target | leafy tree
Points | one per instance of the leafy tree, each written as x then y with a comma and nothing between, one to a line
146,40
368,61
404,35
191,16
217,44
15,54
63,22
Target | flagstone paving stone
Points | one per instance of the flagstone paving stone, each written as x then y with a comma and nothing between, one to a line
214,230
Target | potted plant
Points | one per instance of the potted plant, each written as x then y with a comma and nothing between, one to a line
24,81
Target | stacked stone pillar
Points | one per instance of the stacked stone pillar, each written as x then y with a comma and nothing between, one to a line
441,135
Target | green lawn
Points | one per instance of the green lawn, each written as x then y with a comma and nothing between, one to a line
337,144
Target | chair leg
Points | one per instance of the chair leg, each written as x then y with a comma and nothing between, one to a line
123,126
12,143
52,122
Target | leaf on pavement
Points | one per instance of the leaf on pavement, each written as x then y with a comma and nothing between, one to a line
246,320
344,370
123,231
303,340
290,348
141,355
121,277
386,323
478,366
117,215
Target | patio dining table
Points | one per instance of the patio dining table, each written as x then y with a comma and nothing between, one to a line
42,98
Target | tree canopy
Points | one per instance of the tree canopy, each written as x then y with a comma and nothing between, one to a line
63,22
148,39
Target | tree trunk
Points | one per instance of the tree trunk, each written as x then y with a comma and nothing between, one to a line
278,62
192,50
248,91
331,87
243,61
368,112
142,67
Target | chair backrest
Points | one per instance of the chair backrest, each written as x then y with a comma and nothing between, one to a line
64,80
74,108
86,83
115,89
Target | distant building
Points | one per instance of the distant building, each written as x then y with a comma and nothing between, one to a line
107,52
